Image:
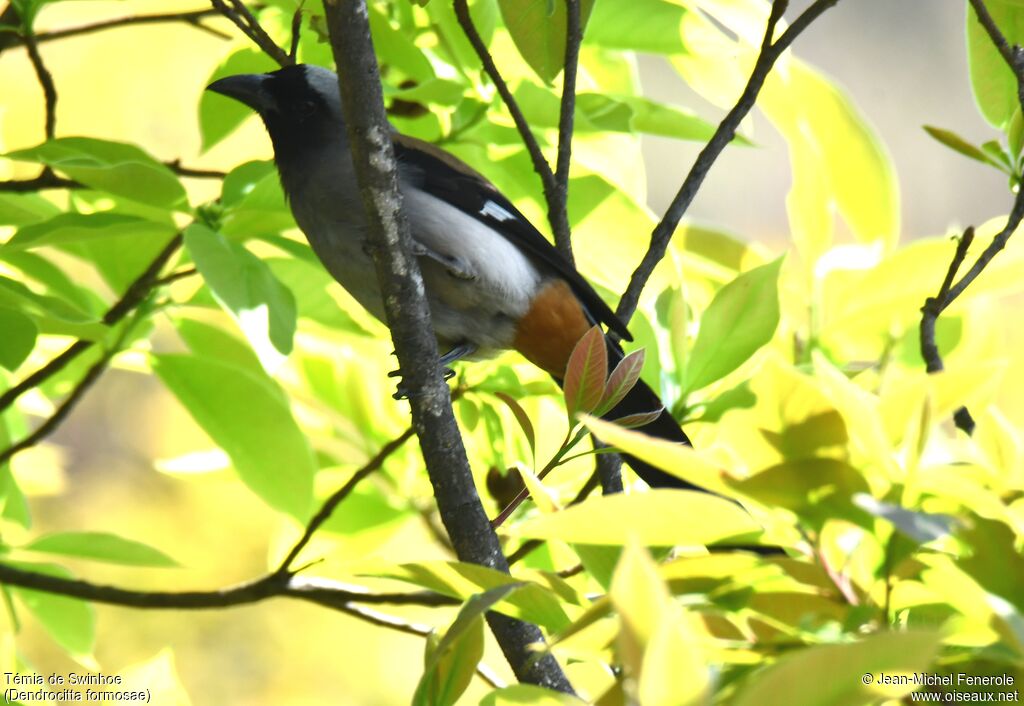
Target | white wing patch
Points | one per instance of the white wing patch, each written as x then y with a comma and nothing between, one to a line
496,212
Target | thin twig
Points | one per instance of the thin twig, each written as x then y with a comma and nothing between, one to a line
243,18
346,599
45,81
137,291
339,495
558,210
293,52
175,276
540,164
46,180
192,18
176,167
724,133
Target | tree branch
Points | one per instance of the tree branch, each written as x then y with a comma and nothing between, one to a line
193,18
175,166
662,234
46,180
46,82
339,495
948,292
408,317
558,208
243,18
559,223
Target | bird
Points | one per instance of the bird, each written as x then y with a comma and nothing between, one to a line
493,282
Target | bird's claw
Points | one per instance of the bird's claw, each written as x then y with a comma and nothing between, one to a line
402,392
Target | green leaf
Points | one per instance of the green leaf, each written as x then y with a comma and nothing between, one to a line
538,30
853,672
55,281
251,421
244,285
995,562
604,112
659,517
585,373
216,343
741,318
544,605
922,527
115,167
366,507
634,114
253,202
522,418
450,664
22,209
311,285
219,116
528,695
995,88
50,314
958,144
67,228
639,25
1015,133
817,489
433,91
18,337
101,546
13,505
69,621
396,48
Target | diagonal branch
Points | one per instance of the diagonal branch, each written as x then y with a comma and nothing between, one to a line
662,234
46,180
243,18
46,82
193,18
949,292
408,317
557,216
558,209
327,509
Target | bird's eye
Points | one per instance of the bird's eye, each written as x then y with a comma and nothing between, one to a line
306,108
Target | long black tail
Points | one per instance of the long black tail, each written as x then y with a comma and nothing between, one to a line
639,400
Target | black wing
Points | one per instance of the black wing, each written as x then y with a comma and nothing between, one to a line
444,176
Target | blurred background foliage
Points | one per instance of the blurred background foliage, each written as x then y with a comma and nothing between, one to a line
801,376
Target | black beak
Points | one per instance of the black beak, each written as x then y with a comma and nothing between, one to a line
244,88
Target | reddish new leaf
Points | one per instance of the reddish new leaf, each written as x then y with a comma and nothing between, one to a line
634,421
621,381
585,374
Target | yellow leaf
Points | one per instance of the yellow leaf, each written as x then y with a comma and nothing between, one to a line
544,498
679,460
674,671
661,518
642,601
160,677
